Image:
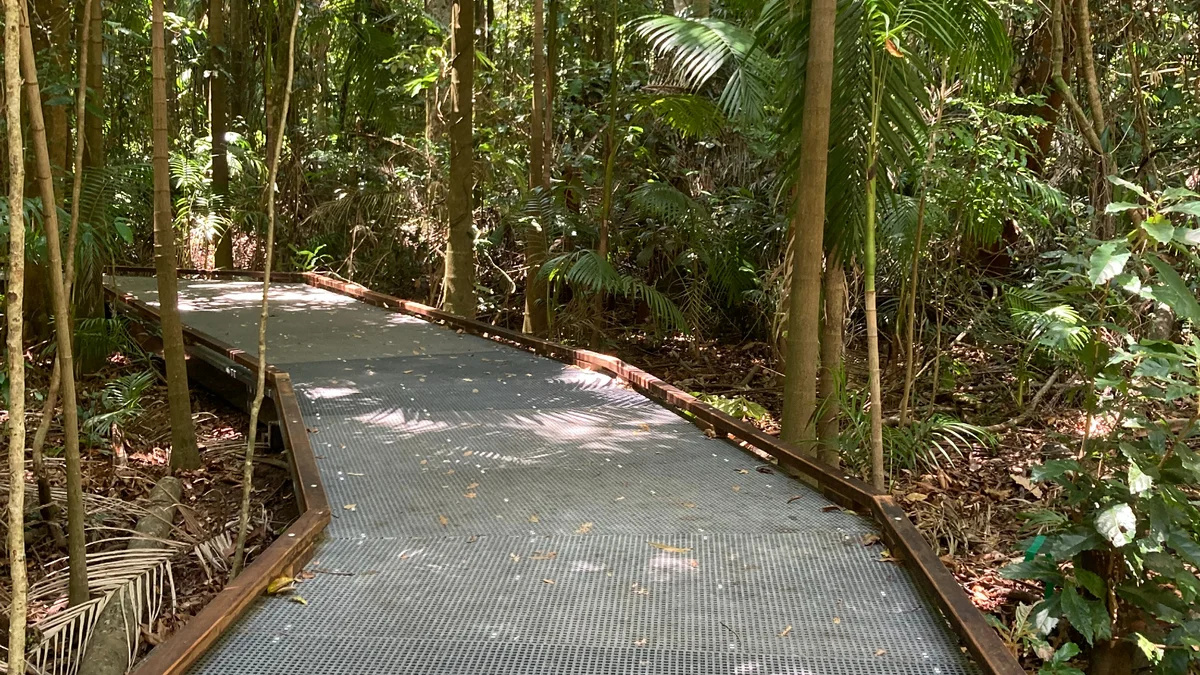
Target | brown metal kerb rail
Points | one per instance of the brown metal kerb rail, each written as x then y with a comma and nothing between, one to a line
286,555
903,538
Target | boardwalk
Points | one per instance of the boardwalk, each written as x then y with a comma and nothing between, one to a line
501,513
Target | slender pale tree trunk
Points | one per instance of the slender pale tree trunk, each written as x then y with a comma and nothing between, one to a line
832,337
89,293
15,282
551,88
239,557
218,106
459,280
808,227
915,269
878,80
610,159
76,542
537,316
45,502
184,453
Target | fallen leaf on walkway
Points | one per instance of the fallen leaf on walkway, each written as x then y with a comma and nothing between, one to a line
280,584
408,372
472,539
742,471
474,391
639,589
737,488
837,620
468,453
870,539
424,461
351,507
619,498
548,581
711,433
351,473
764,469
640,642
785,632
668,548
469,495
443,520
916,496
467,379
305,575
692,562
547,555
689,505
534,518
472,486
880,652
824,509
298,599
644,427
515,558
584,528
886,556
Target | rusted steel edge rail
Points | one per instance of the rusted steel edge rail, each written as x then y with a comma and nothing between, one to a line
286,555
902,537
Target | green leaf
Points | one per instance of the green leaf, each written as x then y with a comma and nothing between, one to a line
1159,228
1115,180
1091,581
1190,208
1139,482
1174,292
1173,193
1185,236
1089,617
1185,545
1041,569
1117,523
123,231
1153,652
1106,262
1054,469
1066,653
1117,207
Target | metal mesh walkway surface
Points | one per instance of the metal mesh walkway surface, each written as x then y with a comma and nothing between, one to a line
496,512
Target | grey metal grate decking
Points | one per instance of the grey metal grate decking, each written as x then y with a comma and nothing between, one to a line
515,515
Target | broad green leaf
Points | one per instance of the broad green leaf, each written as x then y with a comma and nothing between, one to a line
1159,228
1066,653
1054,469
1185,545
1174,292
1041,569
1139,482
1163,604
1185,236
1106,262
1117,523
1190,208
1090,581
1174,193
1089,617
1117,207
1115,180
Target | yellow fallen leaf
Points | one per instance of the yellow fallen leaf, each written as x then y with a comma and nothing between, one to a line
785,632
737,488
351,507
584,528
880,652
644,427
469,495
544,555
472,486
742,471
668,548
916,496
468,453
298,599
548,581
280,584
443,520
837,620
515,558
424,461
534,518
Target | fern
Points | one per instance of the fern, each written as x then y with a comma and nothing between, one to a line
586,269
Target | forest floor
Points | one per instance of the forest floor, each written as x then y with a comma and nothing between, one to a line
969,506
121,464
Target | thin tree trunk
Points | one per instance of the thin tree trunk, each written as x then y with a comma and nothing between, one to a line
93,120
832,337
239,557
537,316
606,203
218,105
459,280
808,226
914,271
551,87
15,283
89,293
76,541
879,78
184,453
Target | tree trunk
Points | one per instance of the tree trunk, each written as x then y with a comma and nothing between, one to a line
76,541
537,319
459,281
808,228
93,121
15,289
832,349
184,453
876,402
239,556
217,108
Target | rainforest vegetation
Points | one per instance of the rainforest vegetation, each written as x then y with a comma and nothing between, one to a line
949,245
